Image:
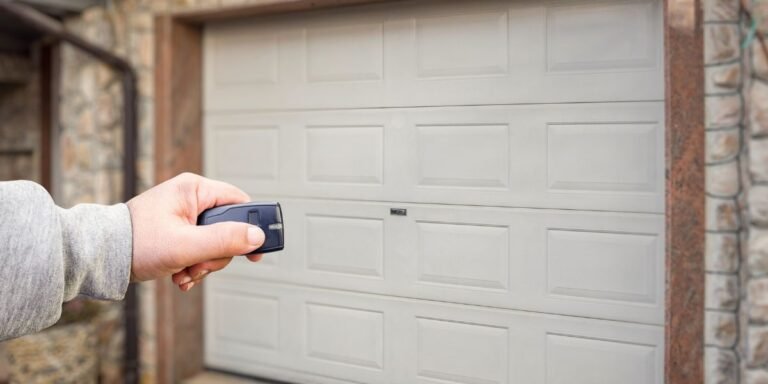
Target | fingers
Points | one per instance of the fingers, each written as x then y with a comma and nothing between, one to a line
191,276
199,271
212,193
186,287
216,241
182,277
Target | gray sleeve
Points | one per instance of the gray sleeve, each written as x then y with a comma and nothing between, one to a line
49,255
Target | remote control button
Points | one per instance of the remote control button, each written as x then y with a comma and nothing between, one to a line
253,217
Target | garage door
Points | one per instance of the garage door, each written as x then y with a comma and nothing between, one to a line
473,192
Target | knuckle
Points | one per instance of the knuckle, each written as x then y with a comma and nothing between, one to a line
188,178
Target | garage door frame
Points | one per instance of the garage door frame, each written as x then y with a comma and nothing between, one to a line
178,148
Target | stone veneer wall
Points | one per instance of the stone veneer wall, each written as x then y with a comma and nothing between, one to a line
20,125
19,135
88,141
90,124
725,157
736,85
756,94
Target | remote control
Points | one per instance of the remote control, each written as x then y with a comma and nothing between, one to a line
266,215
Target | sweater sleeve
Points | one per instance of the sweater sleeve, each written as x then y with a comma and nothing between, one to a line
49,255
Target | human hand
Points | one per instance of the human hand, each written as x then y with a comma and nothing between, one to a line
167,240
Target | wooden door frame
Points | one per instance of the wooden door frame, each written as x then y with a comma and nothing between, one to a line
178,148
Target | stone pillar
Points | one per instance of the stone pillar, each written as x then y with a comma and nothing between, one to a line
724,116
90,139
757,192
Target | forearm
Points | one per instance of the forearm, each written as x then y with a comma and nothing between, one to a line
49,255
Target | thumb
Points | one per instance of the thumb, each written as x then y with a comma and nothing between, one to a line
225,239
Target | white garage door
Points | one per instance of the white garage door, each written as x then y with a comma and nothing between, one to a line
473,192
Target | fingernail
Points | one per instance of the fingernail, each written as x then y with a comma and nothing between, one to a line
189,286
255,236
185,279
201,274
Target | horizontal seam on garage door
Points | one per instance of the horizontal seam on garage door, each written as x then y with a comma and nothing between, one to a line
282,110
454,205
418,299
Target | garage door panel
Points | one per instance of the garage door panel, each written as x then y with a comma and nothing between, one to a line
602,36
358,343
245,59
473,192
247,151
244,324
602,265
463,255
345,154
359,251
460,53
463,155
351,337
462,45
605,265
460,352
596,156
578,360
611,157
345,53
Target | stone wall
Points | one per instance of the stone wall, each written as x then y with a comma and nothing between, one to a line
756,184
19,130
89,141
724,125
90,125
737,192
20,124
90,130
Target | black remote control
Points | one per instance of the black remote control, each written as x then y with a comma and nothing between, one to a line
267,216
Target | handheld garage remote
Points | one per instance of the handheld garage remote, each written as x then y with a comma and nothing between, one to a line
268,216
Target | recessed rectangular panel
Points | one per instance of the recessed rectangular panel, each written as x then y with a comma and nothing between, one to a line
578,360
462,45
602,36
345,53
345,335
463,255
246,151
244,58
345,245
345,154
603,265
603,157
463,155
462,353
410,54
247,319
